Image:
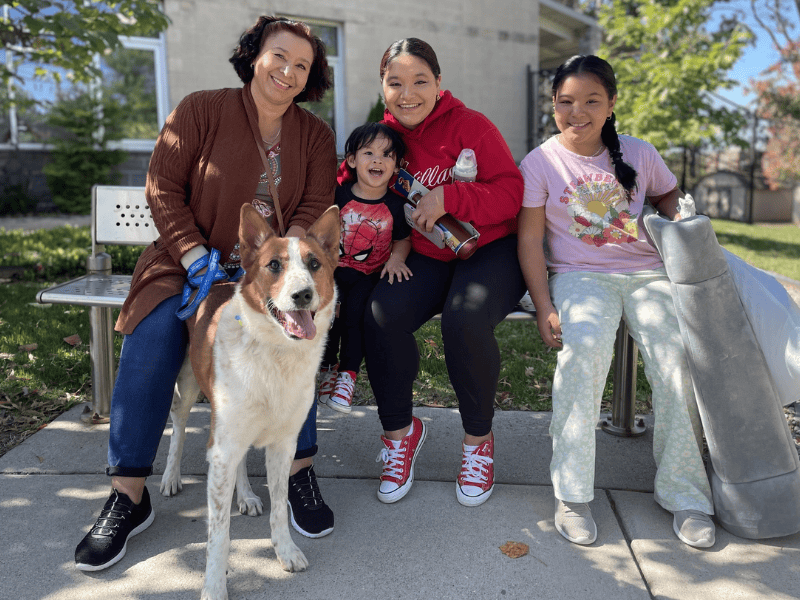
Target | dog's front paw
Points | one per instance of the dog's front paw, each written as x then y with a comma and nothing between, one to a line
292,558
251,505
214,592
170,484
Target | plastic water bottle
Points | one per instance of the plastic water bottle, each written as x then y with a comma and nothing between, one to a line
466,168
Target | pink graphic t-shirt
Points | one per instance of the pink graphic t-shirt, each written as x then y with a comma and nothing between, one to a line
591,222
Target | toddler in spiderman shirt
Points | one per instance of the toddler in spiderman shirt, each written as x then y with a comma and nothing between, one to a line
375,241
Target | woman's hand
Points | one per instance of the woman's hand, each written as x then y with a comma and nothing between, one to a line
549,326
396,267
429,209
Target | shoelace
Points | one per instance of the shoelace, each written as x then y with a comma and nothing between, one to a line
111,517
308,490
475,468
328,382
344,387
393,460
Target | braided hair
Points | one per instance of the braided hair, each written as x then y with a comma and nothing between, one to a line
594,65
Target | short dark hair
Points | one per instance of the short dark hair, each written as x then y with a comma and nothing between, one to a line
414,47
366,134
594,65
252,40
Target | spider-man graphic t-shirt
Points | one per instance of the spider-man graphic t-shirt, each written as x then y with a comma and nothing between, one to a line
368,228
592,223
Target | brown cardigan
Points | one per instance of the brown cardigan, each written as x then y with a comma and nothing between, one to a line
204,167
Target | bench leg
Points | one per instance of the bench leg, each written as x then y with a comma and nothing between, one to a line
101,351
622,421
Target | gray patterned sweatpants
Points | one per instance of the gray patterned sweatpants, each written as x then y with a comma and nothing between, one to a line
590,306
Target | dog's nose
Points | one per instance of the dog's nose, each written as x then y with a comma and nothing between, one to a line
303,297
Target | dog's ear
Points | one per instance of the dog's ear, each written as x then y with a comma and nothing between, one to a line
326,230
253,231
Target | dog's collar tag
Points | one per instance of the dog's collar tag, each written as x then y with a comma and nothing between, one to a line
239,320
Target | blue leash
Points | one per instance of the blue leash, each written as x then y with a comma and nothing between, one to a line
202,283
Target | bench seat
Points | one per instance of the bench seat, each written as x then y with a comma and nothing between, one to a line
109,291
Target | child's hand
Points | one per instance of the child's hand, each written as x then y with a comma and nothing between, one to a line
549,326
395,267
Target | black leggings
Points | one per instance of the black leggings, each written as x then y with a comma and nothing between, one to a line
473,295
347,330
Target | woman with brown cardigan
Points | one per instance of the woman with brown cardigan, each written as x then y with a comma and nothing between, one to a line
211,158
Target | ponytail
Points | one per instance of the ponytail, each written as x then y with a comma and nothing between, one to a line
626,174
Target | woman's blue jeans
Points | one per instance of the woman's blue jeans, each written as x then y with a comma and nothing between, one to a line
149,365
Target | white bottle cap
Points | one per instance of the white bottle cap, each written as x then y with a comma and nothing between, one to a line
466,168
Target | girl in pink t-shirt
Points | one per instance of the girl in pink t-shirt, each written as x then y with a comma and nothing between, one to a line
581,223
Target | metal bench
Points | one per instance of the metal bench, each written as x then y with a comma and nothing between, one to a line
120,215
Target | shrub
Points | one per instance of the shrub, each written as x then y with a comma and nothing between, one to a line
15,200
376,112
80,157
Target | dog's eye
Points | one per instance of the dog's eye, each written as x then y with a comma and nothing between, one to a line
274,266
314,264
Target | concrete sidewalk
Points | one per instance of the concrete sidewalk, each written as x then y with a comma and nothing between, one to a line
425,546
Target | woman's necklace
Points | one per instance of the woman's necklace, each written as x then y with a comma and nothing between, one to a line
274,139
597,153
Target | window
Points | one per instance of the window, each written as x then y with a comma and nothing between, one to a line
135,75
332,106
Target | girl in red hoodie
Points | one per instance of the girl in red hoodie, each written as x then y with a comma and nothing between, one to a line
473,295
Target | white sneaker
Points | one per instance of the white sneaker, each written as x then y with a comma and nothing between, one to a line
574,521
342,397
694,528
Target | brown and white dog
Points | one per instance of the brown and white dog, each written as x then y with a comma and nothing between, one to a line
255,348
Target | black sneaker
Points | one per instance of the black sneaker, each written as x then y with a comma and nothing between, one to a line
120,519
309,514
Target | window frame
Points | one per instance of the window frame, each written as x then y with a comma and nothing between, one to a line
336,64
157,45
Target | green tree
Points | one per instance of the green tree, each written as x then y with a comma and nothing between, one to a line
80,157
132,84
68,34
376,112
666,58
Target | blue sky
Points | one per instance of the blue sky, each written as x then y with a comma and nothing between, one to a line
755,58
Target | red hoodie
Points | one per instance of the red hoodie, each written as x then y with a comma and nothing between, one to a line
492,202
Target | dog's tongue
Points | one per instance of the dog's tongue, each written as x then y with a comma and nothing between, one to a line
300,324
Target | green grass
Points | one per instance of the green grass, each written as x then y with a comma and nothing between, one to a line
42,374
57,254
39,384
770,247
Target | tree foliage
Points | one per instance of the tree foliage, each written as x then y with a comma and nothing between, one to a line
666,59
80,157
68,34
778,91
